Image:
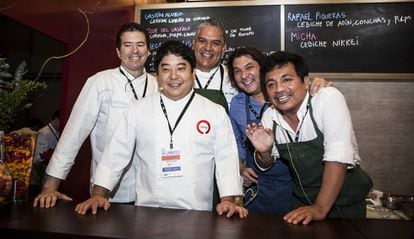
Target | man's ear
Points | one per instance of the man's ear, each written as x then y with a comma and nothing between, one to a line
306,82
118,53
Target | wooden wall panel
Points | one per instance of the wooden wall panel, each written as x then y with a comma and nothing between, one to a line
383,118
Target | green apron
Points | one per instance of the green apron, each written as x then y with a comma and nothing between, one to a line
306,158
217,96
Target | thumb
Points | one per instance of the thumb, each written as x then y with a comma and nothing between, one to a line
65,197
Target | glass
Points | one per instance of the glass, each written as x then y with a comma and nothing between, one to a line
5,177
18,155
5,182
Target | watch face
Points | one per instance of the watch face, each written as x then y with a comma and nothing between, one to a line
250,193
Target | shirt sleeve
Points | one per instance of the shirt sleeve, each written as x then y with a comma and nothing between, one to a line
238,129
336,126
118,152
227,164
80,124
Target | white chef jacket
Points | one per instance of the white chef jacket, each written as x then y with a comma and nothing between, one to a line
204,138
97,111
333,119
228,90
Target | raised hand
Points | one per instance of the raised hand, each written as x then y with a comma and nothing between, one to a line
261,138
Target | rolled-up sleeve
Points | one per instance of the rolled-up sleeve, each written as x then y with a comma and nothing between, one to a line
337,129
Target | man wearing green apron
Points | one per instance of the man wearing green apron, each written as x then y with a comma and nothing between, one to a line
314,136
211,77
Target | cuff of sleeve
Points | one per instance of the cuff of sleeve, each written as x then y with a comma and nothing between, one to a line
104,177
339,152
228,189
56,170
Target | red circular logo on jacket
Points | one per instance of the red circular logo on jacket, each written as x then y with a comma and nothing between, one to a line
203,127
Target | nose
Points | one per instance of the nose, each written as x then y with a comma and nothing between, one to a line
209,46
173,74
134,48
279,87
244,74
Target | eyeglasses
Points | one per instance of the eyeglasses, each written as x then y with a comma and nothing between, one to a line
250,194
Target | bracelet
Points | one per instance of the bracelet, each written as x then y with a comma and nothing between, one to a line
238,200
256,155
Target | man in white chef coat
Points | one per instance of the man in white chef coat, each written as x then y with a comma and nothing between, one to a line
179,137
96,113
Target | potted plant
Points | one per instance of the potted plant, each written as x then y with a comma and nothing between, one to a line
14,92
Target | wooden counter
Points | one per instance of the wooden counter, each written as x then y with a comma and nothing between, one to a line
127,221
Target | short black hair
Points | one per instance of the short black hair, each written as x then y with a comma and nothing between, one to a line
35,124
176,48
56,114
280,59
251,52
130,27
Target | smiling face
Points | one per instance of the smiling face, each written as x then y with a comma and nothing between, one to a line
247,74
175,77
133,52
208,45
285,88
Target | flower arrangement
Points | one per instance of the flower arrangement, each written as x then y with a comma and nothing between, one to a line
14,92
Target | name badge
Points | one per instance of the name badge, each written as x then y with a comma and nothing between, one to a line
171,164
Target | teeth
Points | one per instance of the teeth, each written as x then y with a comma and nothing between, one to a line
282,99
206,54
136,58
249,81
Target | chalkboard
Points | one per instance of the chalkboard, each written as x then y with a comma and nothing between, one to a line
257,25
365,38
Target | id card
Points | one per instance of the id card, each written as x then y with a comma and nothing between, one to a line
171,164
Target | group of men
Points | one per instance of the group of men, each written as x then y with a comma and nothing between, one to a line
160,142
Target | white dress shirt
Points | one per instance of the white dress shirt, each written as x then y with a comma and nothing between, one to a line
97,111
333,119
47,138
204,138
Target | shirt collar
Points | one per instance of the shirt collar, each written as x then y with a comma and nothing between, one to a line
168,102
303,107
277,116
131,77
207,74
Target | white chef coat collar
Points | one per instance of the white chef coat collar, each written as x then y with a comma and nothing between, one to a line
168,102
131,77
208,73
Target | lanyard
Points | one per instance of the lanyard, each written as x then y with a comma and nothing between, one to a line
211,78
256,115
179,117
300,126
132,86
